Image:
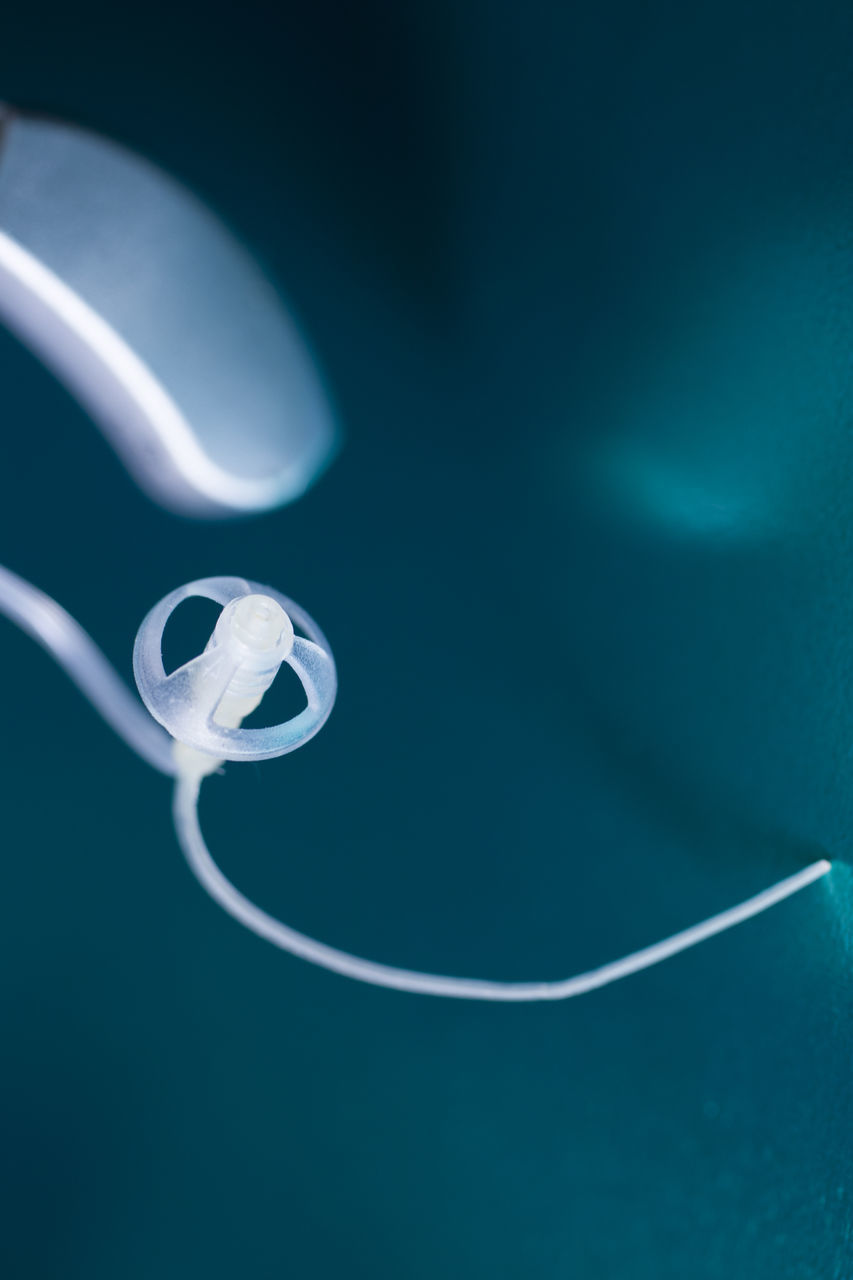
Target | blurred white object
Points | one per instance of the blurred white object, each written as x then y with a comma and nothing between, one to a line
160,323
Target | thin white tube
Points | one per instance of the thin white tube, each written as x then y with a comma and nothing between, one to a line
81,659
382,975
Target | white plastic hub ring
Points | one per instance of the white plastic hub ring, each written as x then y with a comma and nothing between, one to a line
253,636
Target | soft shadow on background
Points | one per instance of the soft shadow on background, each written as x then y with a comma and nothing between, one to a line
580,284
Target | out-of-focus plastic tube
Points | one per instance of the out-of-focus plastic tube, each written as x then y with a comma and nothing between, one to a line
81,659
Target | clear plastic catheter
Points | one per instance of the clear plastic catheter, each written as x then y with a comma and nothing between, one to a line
198,712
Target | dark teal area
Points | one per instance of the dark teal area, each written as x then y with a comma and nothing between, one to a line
581,281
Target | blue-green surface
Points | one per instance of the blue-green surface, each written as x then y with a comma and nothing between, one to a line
582,284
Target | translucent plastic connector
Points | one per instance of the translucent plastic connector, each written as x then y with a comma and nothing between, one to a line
204,702
256,634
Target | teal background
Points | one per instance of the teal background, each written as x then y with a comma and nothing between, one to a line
580,282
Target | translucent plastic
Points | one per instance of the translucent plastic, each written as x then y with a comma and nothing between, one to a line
186,701
261,638
81,659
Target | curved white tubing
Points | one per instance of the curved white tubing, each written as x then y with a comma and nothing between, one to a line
81,659
78,655
383,975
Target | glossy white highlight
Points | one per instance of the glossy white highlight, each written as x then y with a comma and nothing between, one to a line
107,374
